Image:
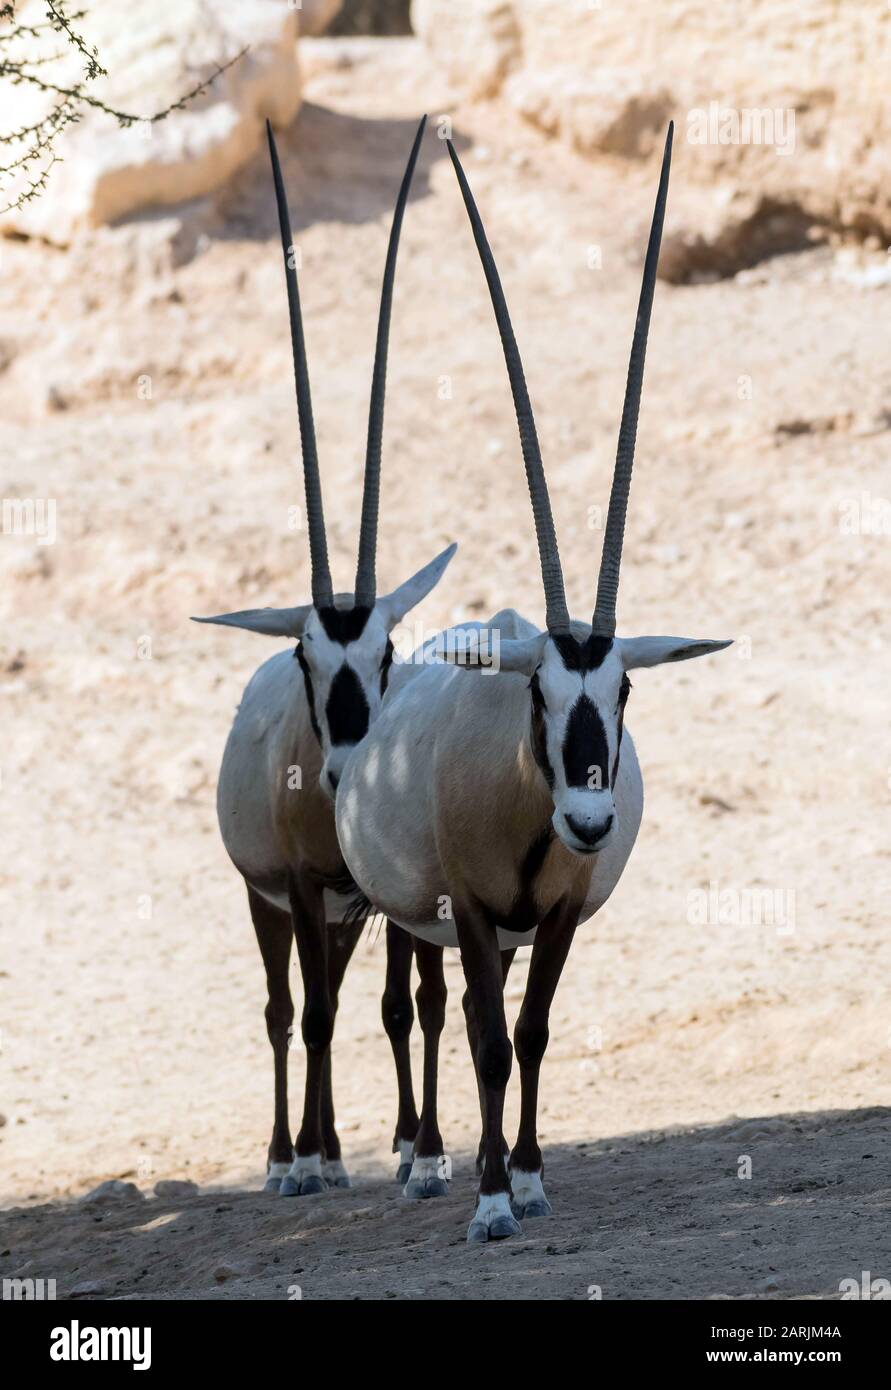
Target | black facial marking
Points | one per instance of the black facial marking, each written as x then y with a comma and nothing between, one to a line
347,708
539,741
624,691
582,656
385,665
585,746
310,697
343,625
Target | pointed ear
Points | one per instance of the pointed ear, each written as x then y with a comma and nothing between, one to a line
272,622
393,607
485,648
636,652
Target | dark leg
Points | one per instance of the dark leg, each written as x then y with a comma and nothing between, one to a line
341,945
429,1177
398,1016
274,936
552,943
317,1025
483,971
473,1038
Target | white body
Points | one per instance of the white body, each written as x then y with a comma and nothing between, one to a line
447,766
266,824
277,779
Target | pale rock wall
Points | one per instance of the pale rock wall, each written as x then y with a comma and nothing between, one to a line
605,77
155,51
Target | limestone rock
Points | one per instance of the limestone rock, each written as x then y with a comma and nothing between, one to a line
475,44
173,1189
155,52
776,106
594,111
112,1192
316,15
87,1288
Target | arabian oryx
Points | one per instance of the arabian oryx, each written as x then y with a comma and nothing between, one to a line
512,795
300,716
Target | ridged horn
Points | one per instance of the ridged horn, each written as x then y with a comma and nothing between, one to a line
604,619
366,583
551,573
322,595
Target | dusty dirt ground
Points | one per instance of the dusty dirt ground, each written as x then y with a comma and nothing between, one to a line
132,993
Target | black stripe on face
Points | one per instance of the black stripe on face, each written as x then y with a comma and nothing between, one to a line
310,694
347,708
585,745
624,692
539,738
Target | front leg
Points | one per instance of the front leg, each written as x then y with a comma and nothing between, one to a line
481,960
550,949
317,1025
473,1040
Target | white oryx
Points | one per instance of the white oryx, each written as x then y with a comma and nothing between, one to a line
300,717
512,795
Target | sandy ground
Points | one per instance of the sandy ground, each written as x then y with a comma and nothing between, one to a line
133,1041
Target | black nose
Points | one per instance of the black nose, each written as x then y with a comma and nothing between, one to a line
589,834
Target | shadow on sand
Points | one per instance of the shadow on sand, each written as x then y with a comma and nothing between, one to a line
337,168
659,1215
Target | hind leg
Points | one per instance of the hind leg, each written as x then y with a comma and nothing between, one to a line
342,942
317,1025
398,1016
274,936
484,971
429,1173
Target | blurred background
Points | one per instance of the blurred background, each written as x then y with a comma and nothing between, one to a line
732,997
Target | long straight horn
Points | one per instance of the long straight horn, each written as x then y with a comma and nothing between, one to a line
322,595
604,619
551,573
366,584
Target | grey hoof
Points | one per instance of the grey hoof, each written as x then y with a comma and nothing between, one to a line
419,1188
500,1228
531,1209
503,1227
307,1185
272,1184
341,1181
403,1174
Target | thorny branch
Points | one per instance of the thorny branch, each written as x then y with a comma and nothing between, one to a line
38,156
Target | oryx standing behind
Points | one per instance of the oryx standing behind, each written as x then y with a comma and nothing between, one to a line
514,794
300,716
